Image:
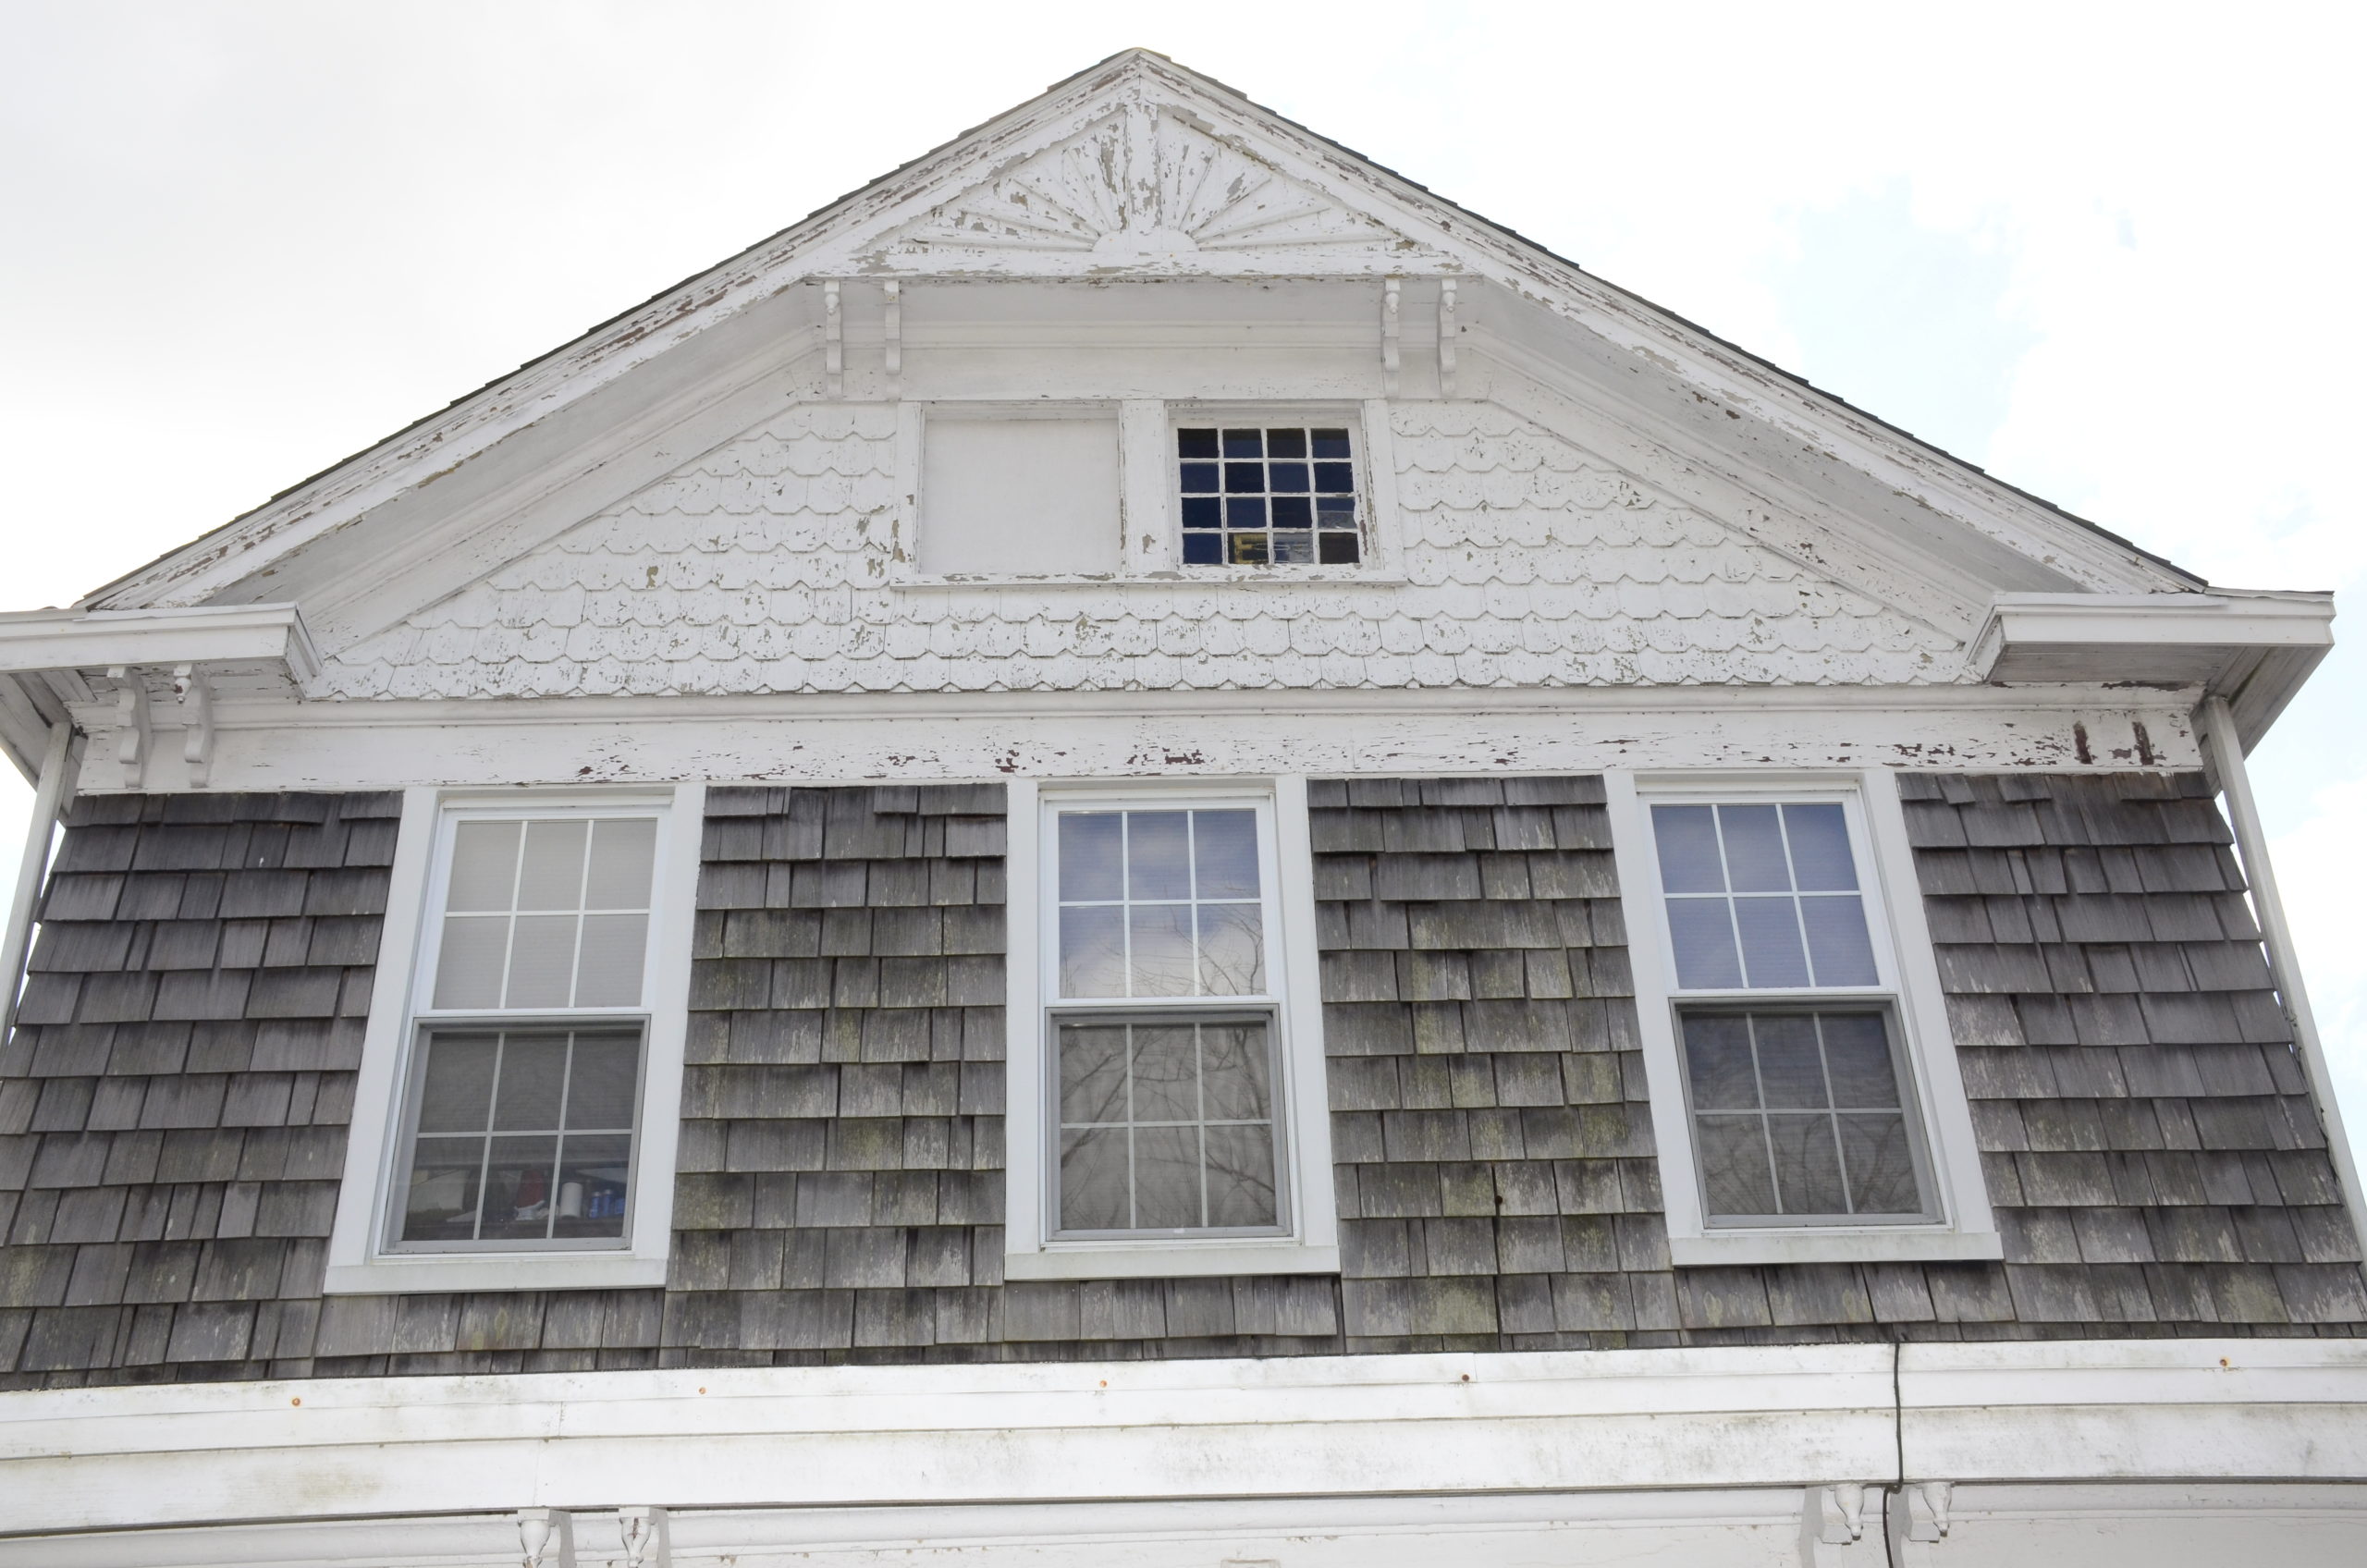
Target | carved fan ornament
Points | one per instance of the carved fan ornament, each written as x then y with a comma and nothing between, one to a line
1144,186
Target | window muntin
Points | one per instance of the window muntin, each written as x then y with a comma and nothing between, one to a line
1801,1112
519,1124
1162,1028
522,1134
1269,495
1166,1124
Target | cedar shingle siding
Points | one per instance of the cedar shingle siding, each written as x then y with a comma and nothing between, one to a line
172,1108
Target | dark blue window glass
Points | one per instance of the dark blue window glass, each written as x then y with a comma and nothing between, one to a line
1277,488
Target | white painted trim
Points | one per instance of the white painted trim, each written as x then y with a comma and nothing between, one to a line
2284,959
1118,734
358,1261
1385,528
1147,499
76,639
50,789
1967,1227
1281,1428
1311,1244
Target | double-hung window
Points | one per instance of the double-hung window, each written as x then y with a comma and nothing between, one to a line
1803,1083
1162,1037
526,1061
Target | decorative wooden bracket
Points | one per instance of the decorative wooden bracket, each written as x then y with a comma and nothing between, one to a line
1927,1510
546,1536
1446,337
643,1533
834,342
133,741
895,326
1392,288
197,723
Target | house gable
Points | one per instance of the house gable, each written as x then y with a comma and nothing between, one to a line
1135,171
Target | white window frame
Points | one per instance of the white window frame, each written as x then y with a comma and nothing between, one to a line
1308,1243
1962,1226
361,1260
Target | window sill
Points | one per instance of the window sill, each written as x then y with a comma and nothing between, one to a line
1179,577
1866,1246
404,1274
1164,1259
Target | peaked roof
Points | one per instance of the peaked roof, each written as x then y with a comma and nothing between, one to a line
1136,167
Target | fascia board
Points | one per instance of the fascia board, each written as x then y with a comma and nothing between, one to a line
808,249
2254,648
75,639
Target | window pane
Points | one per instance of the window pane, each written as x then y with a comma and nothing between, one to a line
1735,1177
1881,1167
603,1080
1838,945
1161,935
1232,950
542,961
1807,1164
456,1092
1703,935
1093,1073
533,1069
1820,860
550,875
517,1189
1770,942
594,1173
1225,852
1857,1059
484,865
1241,1175
442,1203
1754,850
1166,1072
1196,443
1688,839
1090,847
1791,1070
1717,1062
1286,444
1093,951
469,964
1167,1178
1158,854
1093,1181
624,856
1235,1072
614,946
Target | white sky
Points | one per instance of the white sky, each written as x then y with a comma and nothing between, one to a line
2108,251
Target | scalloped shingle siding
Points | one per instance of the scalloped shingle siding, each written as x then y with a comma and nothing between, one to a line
764,566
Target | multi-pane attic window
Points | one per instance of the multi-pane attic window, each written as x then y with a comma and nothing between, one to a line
1787,1023
520,1107
1163,1030
1269,495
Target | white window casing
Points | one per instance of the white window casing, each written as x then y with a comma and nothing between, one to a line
1956,1221
1304,1238
367,1254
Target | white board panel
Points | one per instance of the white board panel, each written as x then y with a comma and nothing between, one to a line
1019,495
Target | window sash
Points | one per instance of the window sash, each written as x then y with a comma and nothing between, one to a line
1268,1004
405,1164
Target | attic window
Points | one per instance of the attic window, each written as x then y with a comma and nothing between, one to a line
1269,495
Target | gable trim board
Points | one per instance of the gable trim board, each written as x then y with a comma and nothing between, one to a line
1358,1426
830,244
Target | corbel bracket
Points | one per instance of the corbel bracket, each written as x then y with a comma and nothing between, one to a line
1446,337
134,740
645,1535
545,1537
895,331
833,341
1393,291
1927,1510
197,722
